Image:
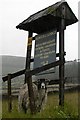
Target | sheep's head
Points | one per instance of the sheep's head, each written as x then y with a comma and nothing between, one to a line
41,84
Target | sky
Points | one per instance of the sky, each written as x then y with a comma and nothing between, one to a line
14,41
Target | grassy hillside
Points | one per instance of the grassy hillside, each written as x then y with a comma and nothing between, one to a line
12,64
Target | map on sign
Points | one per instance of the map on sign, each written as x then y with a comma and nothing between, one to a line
45,50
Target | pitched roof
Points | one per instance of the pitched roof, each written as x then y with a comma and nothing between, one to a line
48,18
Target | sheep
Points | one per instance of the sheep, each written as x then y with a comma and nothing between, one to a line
40,96
42,91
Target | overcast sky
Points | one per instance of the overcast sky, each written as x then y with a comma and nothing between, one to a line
14,41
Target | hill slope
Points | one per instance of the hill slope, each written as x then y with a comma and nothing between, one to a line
11,64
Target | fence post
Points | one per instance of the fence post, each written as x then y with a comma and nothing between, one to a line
9,93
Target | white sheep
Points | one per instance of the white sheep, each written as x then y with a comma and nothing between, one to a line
40,96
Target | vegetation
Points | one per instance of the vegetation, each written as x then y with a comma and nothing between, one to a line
0,109
52,110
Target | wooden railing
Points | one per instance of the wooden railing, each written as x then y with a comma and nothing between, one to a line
32,72
35,71
28,73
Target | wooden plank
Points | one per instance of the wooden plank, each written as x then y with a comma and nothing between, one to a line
56,81
9,93
51,82
58,54
43,68
21,72
33,72
13,75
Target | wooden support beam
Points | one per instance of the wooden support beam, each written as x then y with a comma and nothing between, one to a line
28,79
32,72
61,58
13,75
28,54
43,68
9,93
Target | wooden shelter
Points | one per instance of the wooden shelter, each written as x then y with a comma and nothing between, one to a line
57,16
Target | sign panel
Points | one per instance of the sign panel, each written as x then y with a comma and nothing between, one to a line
45,49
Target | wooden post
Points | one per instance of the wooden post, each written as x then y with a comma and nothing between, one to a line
9,93
29,79
28,54
61,58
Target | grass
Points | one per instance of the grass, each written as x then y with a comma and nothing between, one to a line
52,110
0,108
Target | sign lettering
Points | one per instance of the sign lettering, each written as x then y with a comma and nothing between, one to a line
45,49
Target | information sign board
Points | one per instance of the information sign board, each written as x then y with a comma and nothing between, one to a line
45,49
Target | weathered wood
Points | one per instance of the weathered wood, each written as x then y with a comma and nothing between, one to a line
61,58
31,94
16,74
28,54
48,18
58,54
56,81
33,72
9,93
13,75
28,79
43,68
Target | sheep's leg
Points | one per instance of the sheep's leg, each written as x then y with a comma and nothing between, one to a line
25,102
19,103
44,102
